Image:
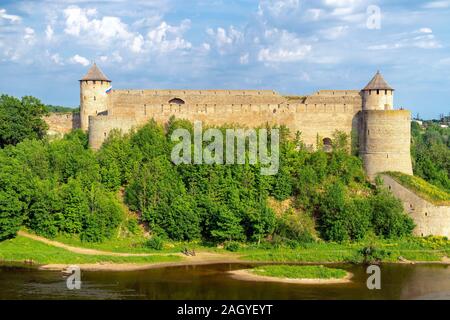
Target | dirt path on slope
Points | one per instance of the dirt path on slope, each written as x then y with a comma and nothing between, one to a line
198,259
85,251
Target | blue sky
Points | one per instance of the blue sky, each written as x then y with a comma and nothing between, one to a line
291,46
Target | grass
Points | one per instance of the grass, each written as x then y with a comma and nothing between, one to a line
299,272
21,249
414,249
130,244
422,188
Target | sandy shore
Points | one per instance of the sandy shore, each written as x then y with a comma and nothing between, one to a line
202,258
247,275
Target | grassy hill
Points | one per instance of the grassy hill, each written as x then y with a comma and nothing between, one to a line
422,188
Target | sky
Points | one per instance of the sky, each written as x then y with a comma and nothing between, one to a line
294,47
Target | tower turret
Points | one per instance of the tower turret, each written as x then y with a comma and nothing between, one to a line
378,94
385,133
93,95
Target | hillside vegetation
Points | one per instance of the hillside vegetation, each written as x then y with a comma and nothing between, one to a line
431,153
422,188
61,187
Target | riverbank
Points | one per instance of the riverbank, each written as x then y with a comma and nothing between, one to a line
56,255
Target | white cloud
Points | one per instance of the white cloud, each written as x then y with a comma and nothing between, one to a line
77,59
342,3
30,36
284,47
225,40
137,44
278,8
425,30
437,5
10,17
98,32
49,32
425,40
55,58
334,32
166,38
244,59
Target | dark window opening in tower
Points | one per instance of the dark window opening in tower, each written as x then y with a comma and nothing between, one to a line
176,101
385,92
378,91
95,98
327,145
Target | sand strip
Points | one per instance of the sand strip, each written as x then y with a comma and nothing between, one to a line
248,275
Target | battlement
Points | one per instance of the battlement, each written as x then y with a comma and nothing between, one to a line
165,92
337,93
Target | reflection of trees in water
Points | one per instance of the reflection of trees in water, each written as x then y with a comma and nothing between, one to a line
427,282
212,282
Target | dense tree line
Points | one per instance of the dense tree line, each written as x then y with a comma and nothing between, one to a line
431,153
62,186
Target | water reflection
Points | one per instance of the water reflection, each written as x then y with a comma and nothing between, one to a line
212,282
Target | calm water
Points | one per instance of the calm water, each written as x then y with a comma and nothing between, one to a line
212,282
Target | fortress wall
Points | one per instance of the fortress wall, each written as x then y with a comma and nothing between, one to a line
337,93
62,123
385,140
101,126
311,120
430,219
123,100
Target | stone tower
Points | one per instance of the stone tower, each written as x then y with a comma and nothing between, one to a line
93,95
385,133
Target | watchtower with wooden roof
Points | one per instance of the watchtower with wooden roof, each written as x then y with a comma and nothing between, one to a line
93,95
378,94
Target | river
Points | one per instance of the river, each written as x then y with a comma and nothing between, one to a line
210,282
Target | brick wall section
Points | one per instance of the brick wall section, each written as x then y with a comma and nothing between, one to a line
430,219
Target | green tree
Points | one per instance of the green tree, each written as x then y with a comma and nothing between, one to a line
14,196
21,119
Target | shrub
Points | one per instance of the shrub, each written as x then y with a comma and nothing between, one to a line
371,254
155,243
232,246
388,217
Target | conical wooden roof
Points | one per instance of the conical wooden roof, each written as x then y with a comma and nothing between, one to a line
378,83
95,73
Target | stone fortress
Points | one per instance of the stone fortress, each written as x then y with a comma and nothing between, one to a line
368,115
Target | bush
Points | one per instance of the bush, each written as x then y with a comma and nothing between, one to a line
155,243
388,217
371,254
293,226
232,246
133,226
